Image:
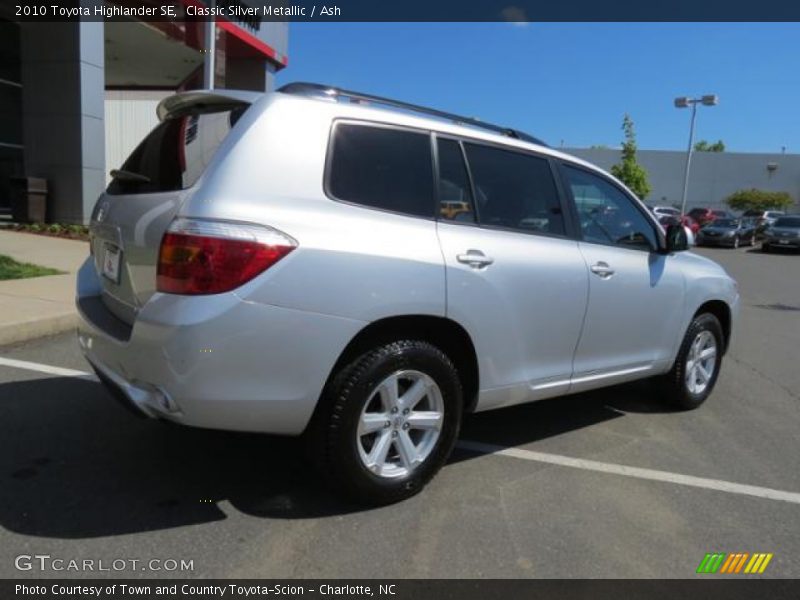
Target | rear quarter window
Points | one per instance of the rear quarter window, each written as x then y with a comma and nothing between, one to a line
384,168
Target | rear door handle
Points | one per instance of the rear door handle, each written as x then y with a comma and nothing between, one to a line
602,269
475,259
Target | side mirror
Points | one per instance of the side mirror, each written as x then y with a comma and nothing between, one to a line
676,239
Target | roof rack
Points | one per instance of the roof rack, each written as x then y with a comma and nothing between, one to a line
334,93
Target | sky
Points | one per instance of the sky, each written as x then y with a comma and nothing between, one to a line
571,83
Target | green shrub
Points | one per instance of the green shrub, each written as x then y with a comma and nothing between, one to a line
754,199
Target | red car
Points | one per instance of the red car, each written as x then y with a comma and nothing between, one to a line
706,215
689,222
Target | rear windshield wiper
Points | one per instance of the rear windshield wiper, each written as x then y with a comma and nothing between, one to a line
129,176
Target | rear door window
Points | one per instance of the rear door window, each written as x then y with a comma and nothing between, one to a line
514,190
381,167
174,155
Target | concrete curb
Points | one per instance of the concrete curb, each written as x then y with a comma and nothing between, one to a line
31,329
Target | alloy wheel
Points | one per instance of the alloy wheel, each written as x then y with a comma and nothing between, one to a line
400,424
701,362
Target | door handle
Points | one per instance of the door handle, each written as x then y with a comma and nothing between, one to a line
475,259
602,269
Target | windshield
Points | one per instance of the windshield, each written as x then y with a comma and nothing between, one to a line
174,155
788,222
725,223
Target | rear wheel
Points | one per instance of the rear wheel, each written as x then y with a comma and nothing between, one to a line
387,422
696,367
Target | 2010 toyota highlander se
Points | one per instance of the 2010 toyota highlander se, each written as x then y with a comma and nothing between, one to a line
363,272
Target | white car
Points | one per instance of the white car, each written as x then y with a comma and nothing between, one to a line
666,211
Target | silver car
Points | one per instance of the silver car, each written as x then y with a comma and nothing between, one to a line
363,272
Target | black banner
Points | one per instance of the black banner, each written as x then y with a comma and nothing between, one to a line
416,589
405,11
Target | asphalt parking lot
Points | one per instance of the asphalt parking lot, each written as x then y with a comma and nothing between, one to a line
82,479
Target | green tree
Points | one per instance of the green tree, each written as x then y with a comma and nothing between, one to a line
628,171
754,199
704,146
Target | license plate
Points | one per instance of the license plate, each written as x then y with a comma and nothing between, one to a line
111,260
783,241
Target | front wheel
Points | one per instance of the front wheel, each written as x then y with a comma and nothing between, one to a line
697,365
387,422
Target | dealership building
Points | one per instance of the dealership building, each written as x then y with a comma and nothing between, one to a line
75,97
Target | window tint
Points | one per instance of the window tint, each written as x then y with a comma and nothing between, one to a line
455,197
383,168
175,154
606,214
514,190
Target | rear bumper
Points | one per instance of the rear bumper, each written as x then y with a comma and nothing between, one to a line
213,361
792,243
715,241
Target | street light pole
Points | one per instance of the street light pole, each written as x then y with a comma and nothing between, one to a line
684,102
688,159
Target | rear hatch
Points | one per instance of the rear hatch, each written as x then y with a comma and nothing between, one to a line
146,192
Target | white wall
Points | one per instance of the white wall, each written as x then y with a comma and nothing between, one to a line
130,115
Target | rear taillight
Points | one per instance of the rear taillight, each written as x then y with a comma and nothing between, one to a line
210,257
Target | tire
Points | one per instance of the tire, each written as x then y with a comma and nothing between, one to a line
765,247
677,385
359,395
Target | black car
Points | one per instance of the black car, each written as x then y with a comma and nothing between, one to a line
727,232
784,233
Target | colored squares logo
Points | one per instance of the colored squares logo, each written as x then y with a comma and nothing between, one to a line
734,563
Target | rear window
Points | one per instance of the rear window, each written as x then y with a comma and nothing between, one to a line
389,169
174,155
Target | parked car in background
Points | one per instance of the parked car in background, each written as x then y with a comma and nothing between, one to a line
727,232
783,233
289,269
764,218
667,220
669,211
707,215
689,222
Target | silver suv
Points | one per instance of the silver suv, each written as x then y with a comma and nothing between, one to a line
363,272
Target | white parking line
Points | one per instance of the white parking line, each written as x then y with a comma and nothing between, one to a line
48,369
543,457
639,473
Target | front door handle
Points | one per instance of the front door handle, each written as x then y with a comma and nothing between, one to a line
475,259
602,269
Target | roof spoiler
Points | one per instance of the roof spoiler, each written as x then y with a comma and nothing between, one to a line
199,101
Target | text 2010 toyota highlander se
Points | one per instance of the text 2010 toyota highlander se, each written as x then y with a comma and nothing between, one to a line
363,272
